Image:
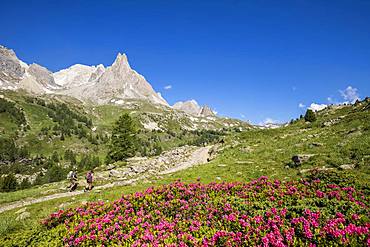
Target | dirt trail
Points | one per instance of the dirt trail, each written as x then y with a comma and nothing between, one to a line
199,156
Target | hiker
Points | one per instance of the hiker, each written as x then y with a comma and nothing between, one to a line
72,177
89,180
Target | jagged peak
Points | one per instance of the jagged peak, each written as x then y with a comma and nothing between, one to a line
100,66
7,51
121,60
207,111
187,102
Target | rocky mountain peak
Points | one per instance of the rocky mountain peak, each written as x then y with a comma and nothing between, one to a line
192,107
76,75
95,84
42,75
206,111
4,51
11,70
121,63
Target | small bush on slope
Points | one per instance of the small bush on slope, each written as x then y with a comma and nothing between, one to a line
262,212
35,237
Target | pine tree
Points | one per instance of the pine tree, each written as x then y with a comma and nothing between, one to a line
55,157
310,116
24,184
55,173
8,183
124,142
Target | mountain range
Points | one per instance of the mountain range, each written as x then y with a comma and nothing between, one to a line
91,84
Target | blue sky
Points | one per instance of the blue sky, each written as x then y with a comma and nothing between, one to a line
254,60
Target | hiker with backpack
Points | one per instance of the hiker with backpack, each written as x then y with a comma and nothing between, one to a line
89,180
72,177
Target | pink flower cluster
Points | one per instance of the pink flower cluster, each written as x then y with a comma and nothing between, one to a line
257,213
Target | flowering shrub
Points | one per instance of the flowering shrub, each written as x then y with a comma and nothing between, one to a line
258,213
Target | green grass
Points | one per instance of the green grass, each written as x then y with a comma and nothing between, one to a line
246,155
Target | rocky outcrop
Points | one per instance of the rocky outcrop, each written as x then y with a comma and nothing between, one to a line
347,167
206,111
168,162
190,107
15,74
100,69
301,158
42,75
11,70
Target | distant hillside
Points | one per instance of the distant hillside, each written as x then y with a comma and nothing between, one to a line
39,128
339,139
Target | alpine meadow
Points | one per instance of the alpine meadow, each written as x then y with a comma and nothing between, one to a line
93,154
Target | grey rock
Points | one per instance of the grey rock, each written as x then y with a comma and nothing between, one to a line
10,67
42,75
301,158
190,107
347,167
206,111
115,84
110,167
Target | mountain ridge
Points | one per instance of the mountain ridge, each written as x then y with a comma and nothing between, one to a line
94,84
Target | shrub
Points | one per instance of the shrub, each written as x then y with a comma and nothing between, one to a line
310,116
258,213
8,183
16,114
55,173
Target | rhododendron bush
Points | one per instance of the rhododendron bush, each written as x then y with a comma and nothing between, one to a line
262,212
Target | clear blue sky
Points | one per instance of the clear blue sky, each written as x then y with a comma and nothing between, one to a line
258,59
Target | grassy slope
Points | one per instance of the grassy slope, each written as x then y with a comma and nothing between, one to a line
249,155
37,118
103,118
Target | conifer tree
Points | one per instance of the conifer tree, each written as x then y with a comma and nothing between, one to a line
124,142
310,116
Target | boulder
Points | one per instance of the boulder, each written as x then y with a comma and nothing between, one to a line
347,167
110,167
301,158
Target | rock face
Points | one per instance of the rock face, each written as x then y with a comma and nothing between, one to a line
42,75
101,85
94,84
191,107
75,76
206,111
15,74
11,70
